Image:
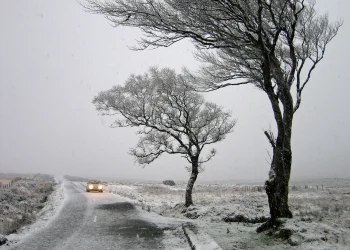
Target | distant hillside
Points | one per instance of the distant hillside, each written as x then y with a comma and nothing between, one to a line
76,178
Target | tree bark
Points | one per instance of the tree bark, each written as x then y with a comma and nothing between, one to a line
191,181
277,187
278,184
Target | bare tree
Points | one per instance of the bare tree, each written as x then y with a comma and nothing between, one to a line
172,119
273,44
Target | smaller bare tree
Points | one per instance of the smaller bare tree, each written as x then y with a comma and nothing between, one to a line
172,119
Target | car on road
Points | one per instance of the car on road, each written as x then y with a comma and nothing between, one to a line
94,186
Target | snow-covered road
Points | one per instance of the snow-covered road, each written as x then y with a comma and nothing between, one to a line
103,221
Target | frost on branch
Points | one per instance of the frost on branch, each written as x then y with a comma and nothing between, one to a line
171,118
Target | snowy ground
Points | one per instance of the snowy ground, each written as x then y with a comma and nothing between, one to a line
321,216
227,213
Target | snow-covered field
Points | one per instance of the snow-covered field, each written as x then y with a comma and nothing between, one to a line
229,215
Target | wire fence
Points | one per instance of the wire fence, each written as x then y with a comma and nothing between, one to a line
261,188
6,184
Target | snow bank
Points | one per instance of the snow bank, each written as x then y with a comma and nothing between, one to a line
199,240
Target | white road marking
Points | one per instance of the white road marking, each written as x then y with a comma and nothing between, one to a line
95,218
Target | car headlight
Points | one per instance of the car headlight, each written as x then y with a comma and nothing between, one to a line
100,186
91,186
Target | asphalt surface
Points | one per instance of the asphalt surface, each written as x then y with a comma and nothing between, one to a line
99,221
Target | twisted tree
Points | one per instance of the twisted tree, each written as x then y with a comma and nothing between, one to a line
172,119
273,44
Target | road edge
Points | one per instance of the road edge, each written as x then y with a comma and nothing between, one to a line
198,239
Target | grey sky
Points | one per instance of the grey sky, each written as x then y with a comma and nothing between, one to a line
54,58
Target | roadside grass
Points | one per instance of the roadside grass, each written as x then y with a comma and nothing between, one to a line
20,204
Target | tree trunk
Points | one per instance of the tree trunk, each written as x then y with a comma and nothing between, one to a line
277,185
191,181
279,175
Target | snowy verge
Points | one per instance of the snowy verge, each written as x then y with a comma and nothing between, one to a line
195,237
48,213
199,240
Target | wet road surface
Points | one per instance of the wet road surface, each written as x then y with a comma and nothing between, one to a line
99,221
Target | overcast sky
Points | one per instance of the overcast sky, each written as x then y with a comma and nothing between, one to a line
54,58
